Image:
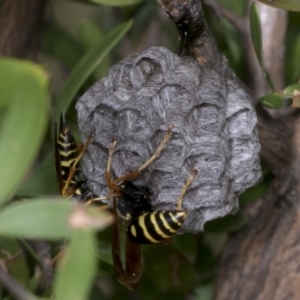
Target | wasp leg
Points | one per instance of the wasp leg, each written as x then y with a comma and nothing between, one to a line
109,163
57,257
137,172
158,150
185,188
93,200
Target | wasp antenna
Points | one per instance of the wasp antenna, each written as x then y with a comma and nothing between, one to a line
62,122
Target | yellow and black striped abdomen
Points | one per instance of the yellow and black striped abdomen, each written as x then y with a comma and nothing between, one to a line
67,152
155,227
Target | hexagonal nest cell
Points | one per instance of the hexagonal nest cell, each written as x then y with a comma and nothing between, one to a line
214,131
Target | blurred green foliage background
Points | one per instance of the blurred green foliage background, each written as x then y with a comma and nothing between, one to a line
80,41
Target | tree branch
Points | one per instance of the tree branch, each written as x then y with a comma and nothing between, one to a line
17,290
260,261
274,23
195,37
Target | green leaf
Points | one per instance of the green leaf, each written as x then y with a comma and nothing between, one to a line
254,193
215,241
117,2
87,65
204,292
186,244
24,93
49,219
237,7
284,4
205,262
229,223
90,217
272,101
43,180
104,253
288,92
256,35
90,35
169,264
37,219
78,267
59,44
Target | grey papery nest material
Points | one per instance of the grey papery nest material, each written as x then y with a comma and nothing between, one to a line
214,132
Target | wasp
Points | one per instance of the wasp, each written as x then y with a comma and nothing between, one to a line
67,158
145,224
132,203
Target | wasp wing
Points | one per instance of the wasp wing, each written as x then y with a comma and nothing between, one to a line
57,159
116,249
133,262
131,274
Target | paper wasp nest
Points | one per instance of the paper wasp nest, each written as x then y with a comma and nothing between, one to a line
214,132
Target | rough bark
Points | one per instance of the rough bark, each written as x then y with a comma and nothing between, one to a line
195,37
260,261
19,26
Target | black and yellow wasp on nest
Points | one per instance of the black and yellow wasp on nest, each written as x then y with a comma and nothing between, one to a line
67,157
145,225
